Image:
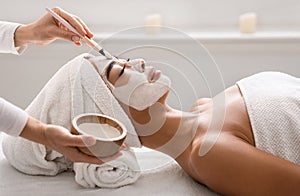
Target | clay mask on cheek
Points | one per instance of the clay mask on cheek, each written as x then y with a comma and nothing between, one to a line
139,93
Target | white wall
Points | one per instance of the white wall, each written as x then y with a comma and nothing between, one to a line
236,55
187,15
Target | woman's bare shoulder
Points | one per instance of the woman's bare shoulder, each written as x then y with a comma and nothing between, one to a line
232,164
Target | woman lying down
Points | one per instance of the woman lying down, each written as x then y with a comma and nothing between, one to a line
255,150
244,141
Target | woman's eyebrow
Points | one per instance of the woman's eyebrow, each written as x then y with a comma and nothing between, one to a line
110,66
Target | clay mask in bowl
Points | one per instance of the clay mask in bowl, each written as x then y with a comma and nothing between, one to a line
109,133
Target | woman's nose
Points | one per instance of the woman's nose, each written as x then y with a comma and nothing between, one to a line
138,64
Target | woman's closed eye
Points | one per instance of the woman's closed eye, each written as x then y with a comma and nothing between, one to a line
122,71
111,73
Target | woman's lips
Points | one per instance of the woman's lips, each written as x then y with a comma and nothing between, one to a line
153,75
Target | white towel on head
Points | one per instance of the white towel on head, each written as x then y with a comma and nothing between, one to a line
32,158
76,88
113,174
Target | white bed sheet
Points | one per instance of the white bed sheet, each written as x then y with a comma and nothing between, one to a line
168,179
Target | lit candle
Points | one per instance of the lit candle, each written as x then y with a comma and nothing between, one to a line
153,23
247,22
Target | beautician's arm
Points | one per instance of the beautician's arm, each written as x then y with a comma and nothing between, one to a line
47,29
233,167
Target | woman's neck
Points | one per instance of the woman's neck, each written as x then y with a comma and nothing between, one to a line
165,129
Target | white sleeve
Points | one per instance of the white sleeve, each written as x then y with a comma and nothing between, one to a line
7,33
12,118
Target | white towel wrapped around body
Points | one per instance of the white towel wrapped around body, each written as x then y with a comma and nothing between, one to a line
273,104
76,88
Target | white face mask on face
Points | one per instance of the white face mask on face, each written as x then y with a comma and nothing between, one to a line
142,88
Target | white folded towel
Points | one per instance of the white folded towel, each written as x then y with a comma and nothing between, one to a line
76,88
122,171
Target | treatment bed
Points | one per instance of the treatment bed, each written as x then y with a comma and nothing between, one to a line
160,176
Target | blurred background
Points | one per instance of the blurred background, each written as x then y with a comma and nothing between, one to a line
204,46
192,15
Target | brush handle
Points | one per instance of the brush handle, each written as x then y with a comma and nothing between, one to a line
64,22
91,43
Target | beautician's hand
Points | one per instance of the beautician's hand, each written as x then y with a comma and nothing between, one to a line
47,29
61,140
